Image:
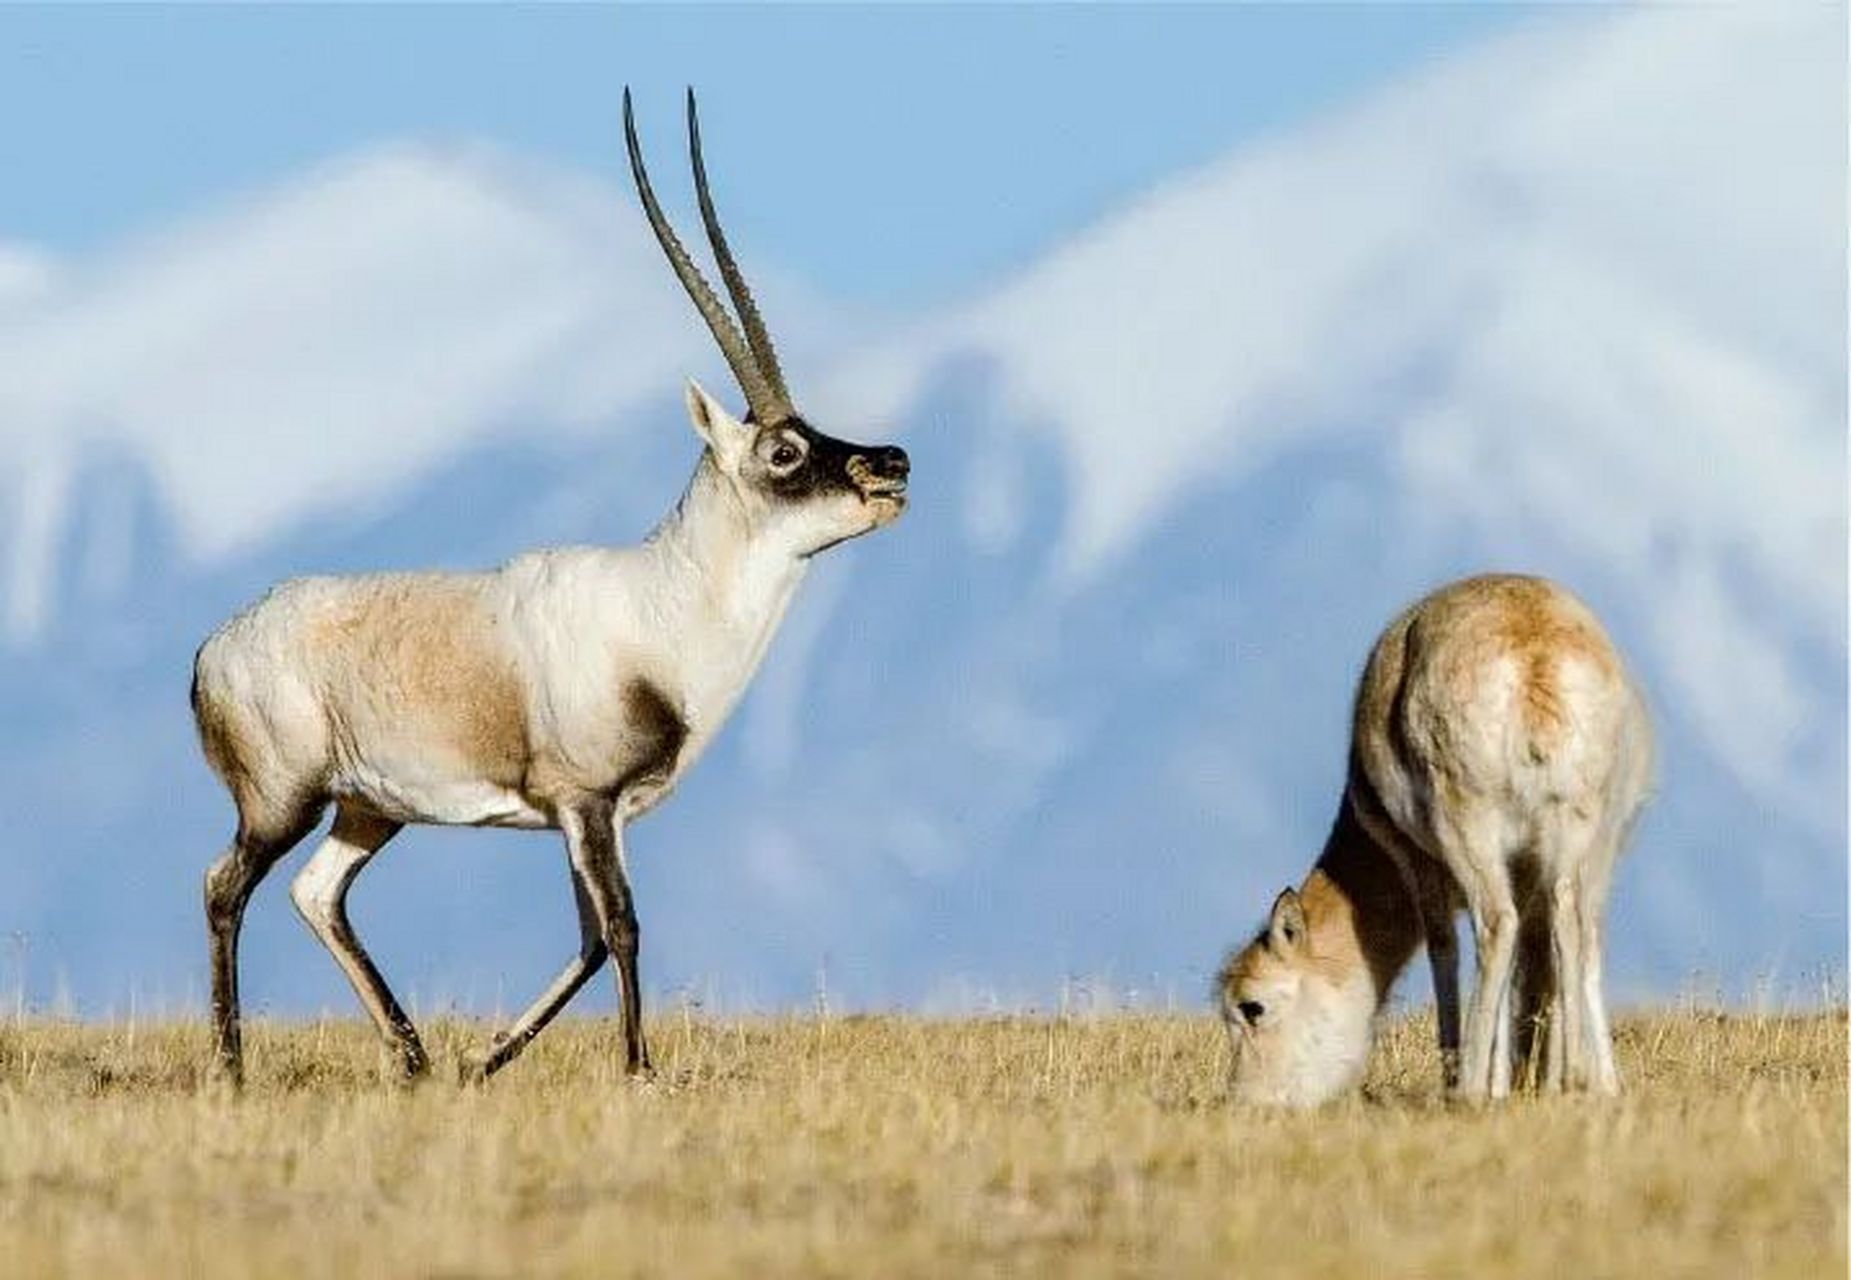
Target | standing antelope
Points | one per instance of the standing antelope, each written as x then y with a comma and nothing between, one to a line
569,689
1499,755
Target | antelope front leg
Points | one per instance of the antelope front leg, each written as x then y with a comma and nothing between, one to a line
1434,892
595,846
507,1045
1430,888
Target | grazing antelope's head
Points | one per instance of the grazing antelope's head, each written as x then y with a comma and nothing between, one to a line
798,487
1297,1023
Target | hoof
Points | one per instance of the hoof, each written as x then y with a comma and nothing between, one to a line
225,1072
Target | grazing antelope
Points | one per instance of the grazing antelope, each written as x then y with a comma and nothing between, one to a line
1499,755
570,689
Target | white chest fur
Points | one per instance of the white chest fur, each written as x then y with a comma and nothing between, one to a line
591,629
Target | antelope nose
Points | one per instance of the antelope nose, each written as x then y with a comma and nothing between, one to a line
891,463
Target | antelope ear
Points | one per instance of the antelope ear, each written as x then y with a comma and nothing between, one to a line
1285,930
726,435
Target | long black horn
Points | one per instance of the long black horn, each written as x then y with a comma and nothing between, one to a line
756,334
766,404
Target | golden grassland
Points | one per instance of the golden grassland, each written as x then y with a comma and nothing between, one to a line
899,1146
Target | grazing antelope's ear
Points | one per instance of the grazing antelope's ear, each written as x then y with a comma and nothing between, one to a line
725,435
1285,930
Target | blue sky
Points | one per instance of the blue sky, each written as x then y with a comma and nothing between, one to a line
987,132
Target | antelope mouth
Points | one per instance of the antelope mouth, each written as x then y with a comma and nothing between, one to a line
876,488
885,504
884,501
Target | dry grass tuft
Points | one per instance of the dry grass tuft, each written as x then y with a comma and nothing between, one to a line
900,1146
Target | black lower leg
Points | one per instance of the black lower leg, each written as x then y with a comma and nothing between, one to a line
227,891
626,945
228,1053
229,884
593,843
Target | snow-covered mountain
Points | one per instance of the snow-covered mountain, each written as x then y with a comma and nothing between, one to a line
1572,302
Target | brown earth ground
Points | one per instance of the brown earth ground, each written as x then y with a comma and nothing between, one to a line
897,1146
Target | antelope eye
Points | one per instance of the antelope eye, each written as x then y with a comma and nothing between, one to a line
1251,1010
785,455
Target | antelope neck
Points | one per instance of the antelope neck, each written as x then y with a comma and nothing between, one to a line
1358,911
710,532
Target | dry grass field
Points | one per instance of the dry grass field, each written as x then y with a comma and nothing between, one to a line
898,1146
